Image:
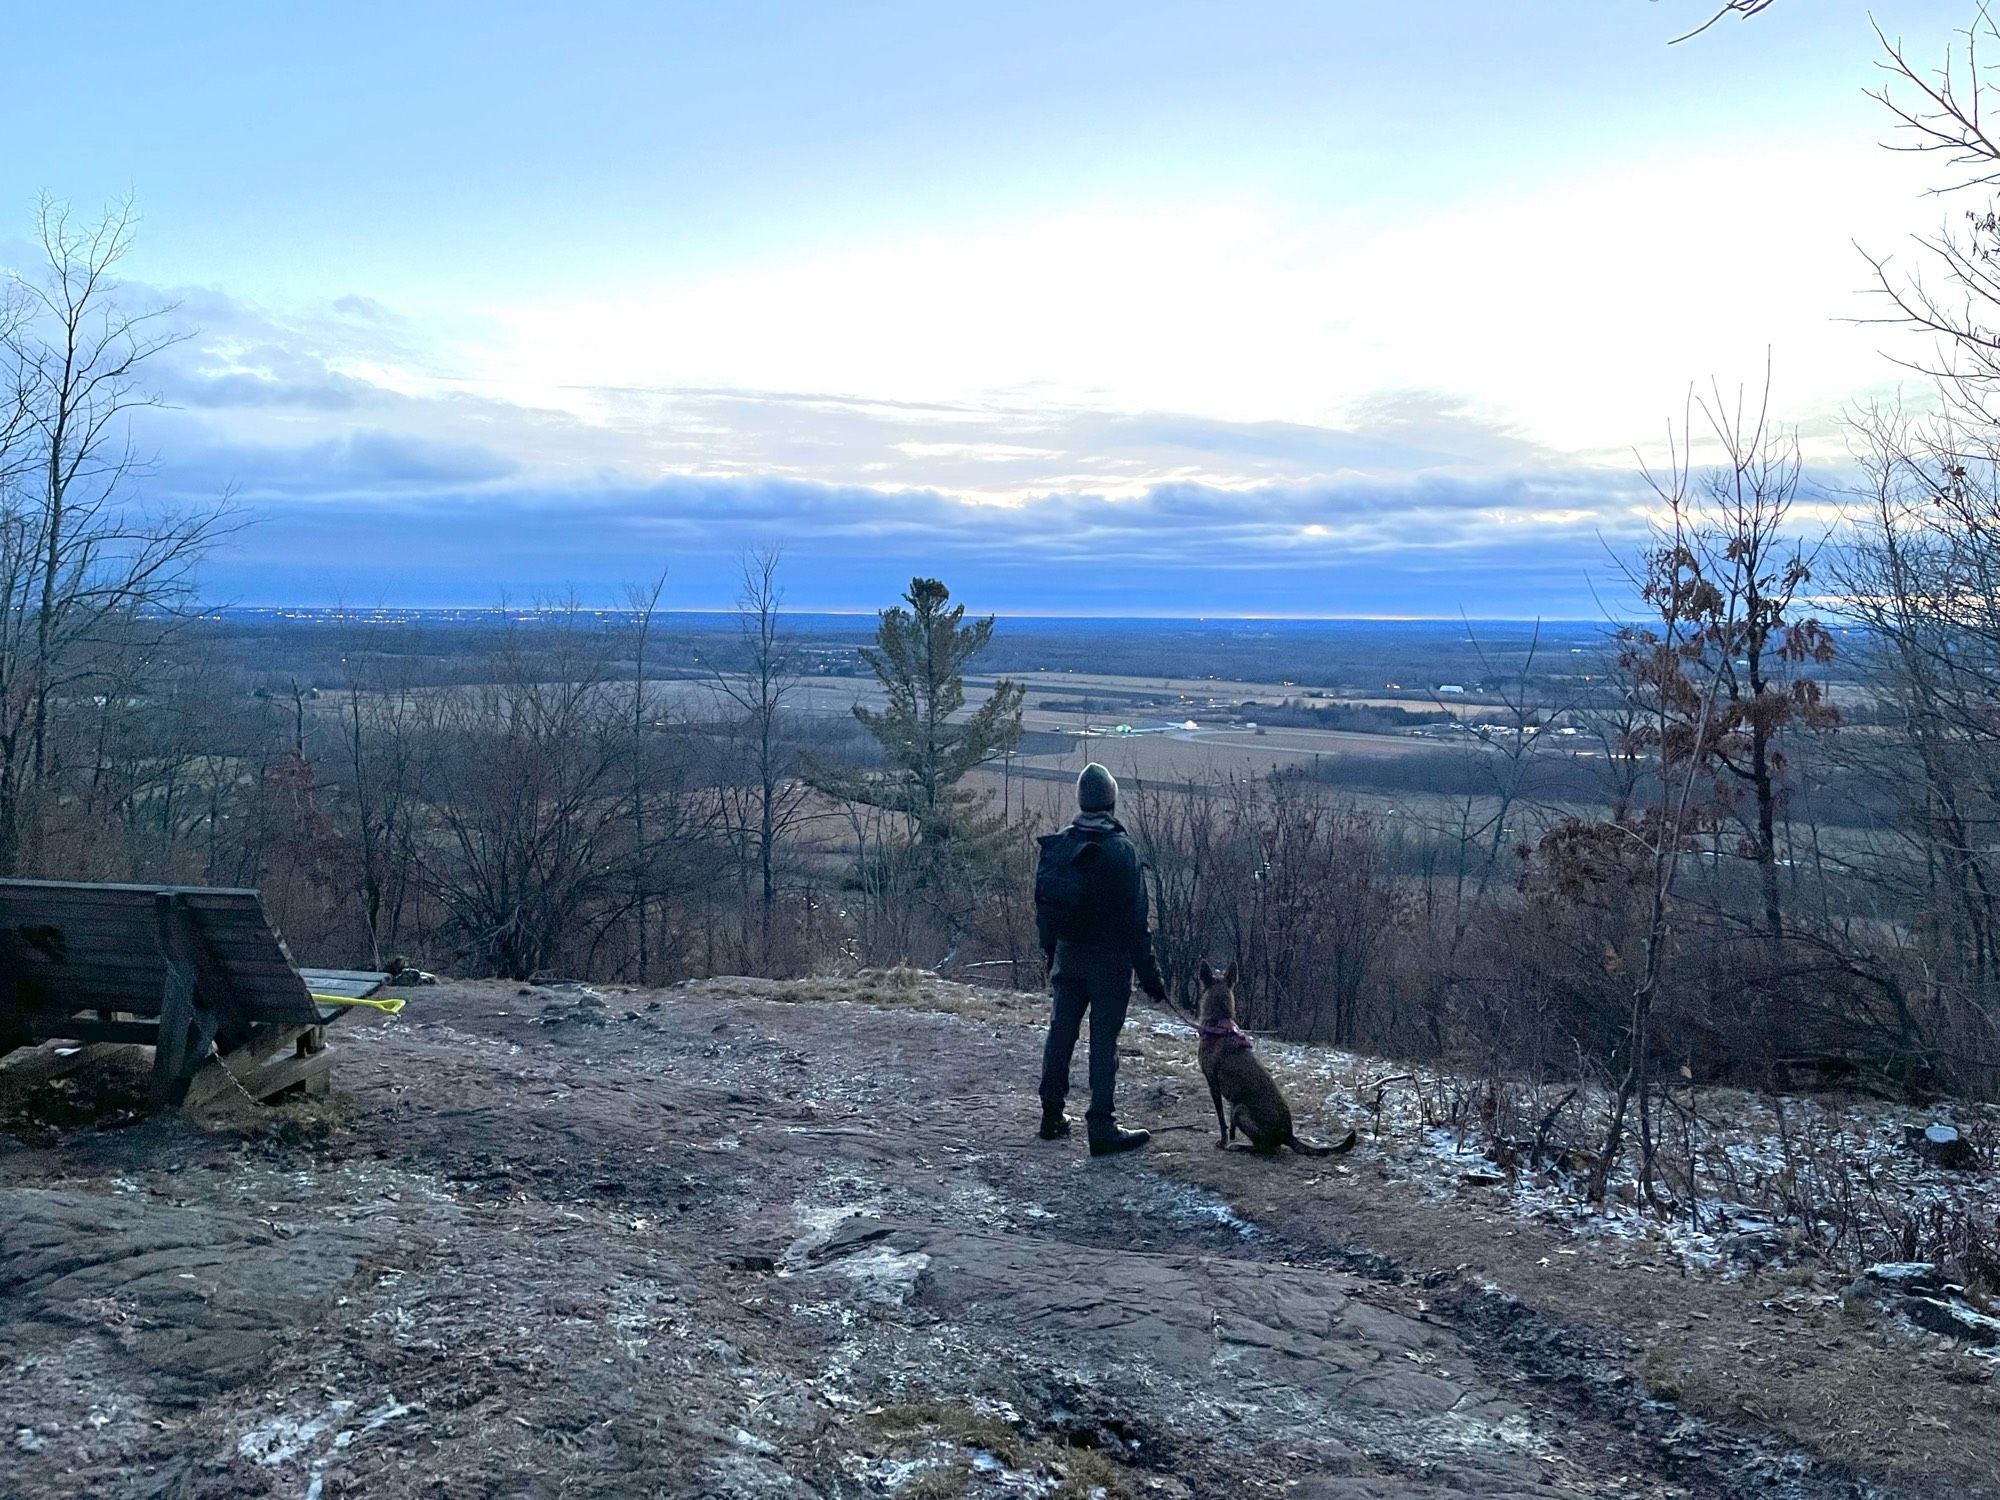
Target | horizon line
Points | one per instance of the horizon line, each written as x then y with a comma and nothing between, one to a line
860,613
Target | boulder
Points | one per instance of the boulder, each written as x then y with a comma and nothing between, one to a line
1952,1318
1906,1276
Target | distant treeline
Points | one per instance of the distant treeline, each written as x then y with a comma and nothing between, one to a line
1354,718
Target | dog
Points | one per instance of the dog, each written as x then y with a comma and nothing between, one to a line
1257,1107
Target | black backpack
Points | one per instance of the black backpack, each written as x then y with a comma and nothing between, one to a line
1067,876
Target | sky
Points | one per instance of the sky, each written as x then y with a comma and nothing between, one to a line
1295,308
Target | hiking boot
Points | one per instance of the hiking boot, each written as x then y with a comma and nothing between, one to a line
1055,1125
1111,1140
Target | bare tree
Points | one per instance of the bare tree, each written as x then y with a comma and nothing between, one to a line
1942,113
88,569
1714,686
1923,575
379,807
759,684
1473,839
1642,853
645,605
526,785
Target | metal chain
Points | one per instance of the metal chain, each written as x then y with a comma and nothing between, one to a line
179,997
222,1062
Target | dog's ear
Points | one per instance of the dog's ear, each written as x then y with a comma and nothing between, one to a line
1229,976
1207,974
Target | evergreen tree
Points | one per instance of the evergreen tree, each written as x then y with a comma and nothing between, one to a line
920,654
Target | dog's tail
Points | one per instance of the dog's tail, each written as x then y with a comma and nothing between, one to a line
1308,1148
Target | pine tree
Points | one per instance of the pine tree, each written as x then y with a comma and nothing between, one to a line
919,656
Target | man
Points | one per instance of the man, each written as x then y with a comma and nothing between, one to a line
1090,912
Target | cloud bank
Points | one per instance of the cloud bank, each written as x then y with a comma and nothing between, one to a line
374,472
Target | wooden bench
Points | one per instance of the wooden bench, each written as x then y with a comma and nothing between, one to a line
196,973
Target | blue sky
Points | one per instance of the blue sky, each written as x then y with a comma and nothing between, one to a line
1293,308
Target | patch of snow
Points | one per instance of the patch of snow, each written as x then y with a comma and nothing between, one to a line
818,1221
1754,1159
285,1437
882,1275
381,1416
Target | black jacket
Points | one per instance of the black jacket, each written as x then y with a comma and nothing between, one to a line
1116,918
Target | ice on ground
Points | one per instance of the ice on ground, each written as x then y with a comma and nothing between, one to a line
288,1437
882,1275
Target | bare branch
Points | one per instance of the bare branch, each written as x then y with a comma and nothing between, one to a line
1745,8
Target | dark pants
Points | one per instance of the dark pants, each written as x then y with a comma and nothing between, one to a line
1097,981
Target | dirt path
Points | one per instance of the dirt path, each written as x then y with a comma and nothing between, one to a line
705,1243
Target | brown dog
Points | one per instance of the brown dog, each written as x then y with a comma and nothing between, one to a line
1256,1106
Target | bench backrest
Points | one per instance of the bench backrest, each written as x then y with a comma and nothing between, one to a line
67,947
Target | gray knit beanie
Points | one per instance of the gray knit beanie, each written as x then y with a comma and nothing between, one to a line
1096,789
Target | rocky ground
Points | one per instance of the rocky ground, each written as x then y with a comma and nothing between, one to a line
744,1239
